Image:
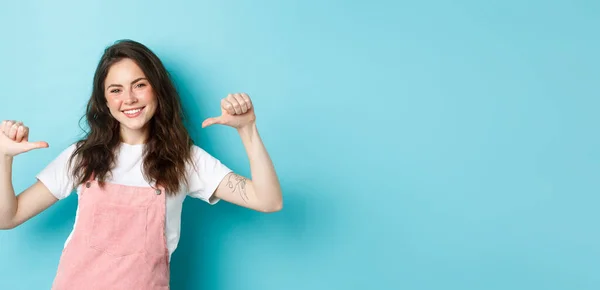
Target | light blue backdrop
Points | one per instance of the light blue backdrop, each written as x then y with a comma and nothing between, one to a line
421,144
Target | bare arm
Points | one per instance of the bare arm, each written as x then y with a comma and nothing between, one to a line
8,200
263,191
15,210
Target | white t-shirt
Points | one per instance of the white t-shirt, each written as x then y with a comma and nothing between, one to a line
203,180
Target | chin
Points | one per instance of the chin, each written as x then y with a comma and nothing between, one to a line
133,125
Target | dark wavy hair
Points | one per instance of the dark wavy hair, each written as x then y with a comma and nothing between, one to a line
169,145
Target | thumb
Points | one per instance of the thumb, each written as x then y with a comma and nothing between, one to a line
212,121
28,146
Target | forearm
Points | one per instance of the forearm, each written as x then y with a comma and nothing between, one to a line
264,178
8,200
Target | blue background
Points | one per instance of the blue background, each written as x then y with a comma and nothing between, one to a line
420,144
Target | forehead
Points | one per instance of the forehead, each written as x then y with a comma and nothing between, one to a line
123,72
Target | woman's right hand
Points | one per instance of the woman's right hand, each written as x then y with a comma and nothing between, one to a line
14,139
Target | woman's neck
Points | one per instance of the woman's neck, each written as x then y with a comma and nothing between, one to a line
134,137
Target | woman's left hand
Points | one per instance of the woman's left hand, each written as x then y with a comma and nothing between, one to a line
237,111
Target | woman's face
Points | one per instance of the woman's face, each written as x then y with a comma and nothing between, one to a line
129,97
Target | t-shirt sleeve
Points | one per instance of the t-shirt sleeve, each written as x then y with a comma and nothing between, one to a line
205,175
56,176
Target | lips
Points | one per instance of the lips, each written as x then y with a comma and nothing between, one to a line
132,113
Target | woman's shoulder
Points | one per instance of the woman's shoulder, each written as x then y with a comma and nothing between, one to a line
67,151
202,158
199,151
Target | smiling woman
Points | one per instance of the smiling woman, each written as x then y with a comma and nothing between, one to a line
132,172
130,99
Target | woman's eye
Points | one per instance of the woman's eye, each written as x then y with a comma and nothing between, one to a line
115,91
140,85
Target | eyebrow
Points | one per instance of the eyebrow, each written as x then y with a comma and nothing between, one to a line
120,86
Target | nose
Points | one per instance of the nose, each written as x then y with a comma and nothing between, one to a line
130,98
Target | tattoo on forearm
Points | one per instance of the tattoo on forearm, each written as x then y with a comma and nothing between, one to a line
238,184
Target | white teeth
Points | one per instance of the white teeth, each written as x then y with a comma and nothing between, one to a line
130,112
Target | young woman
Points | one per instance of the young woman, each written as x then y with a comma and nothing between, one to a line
131,173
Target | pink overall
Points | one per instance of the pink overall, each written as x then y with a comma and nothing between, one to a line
119,240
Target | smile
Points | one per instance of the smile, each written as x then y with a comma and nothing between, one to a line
133,112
